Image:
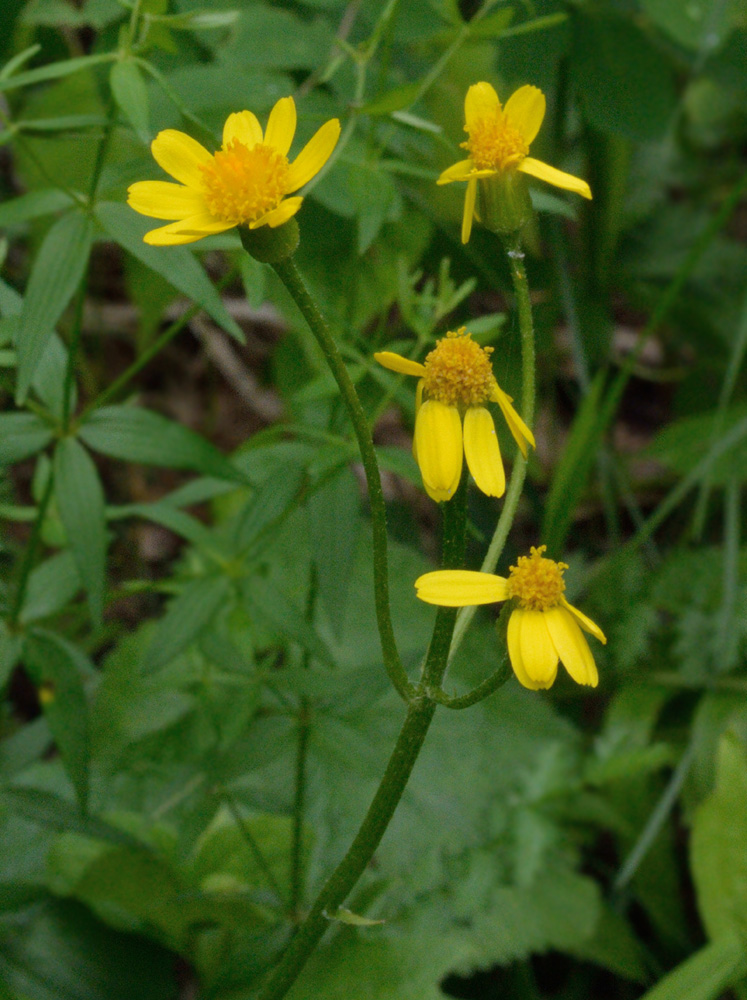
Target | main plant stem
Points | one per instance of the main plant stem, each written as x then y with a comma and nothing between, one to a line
526,328
291,278
401,762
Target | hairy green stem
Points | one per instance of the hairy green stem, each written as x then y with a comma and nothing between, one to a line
526,328
291,278
409,743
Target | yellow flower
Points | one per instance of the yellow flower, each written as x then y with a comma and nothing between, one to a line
244,184
543,626
456,380
498,144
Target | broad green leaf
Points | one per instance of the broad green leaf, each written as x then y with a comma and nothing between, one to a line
54,666
131,94
718,846
177,264
571,472
55,275
50,587
608,48
334,522
284,617
706,974
186,616
134,434
32,205
22,435
59,951
80,501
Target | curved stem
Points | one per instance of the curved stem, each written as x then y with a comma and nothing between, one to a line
409,743
526,327
291,278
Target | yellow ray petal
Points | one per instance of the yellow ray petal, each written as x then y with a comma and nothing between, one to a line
281,125
438,438
482,452
571,646
519,430
186,231
586,623
181,156
481,102
525,109
513,638
164,200
469,209
244,127
418,404
538,653
279,215
557,177
396,363
459,588
314,155
463,171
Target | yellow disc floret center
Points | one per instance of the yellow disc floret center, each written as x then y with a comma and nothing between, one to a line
536,582
495,144
458,370
243,184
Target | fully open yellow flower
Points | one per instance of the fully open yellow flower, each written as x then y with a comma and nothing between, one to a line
456,380
499,140
244,184
543,626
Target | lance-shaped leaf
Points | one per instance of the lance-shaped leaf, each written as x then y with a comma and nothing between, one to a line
55,666
187,615
131,94
176,264
80,501
133,434
22,435
56,273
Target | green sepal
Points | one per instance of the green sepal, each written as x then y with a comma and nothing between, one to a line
505,205
269,246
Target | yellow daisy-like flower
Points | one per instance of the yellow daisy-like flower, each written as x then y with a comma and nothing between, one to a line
499,141
543,626
456,380
244,184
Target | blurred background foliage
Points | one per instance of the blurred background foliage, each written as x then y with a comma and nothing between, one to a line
196,714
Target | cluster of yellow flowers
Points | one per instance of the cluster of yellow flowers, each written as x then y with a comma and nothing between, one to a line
247,183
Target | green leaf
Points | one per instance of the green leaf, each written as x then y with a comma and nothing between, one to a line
80,501
185,618
393,100
32,205
176,264
131,94
718,846
134,434
22,435
53,71
268,505
50,587
608,48
277,611
55,813
705,975
54,666
572,470
55,275
334,523
58,951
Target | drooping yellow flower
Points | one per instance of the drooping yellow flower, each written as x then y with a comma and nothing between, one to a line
498,144
543,626
245,183
456,381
